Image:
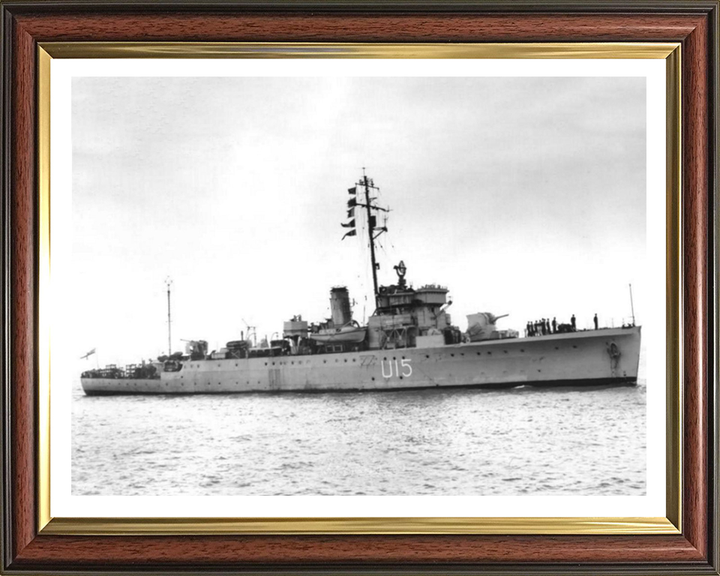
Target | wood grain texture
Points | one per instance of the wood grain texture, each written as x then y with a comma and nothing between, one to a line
663,554
22,277
319,27
696,289
260,550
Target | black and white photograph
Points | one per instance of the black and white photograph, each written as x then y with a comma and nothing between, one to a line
341,285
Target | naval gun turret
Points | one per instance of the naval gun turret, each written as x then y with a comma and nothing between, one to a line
481,326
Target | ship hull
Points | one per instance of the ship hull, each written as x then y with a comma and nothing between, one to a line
588,358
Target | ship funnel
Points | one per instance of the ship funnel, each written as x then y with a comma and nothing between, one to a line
340,306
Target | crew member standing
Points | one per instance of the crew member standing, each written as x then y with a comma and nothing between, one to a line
572,323
595,320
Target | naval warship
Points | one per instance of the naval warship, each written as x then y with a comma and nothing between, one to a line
408,343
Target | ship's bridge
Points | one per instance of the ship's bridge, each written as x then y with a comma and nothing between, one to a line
395,296
432,295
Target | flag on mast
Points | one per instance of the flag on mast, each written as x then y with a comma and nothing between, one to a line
88,354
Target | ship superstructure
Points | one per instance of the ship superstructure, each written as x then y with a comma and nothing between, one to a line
408,342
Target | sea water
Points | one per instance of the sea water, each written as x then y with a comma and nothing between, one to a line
551,441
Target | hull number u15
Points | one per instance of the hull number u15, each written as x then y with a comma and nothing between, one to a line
397,368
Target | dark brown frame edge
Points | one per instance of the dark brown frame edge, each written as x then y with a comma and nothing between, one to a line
25,23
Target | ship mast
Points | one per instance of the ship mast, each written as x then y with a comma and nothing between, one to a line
632,306
168,283
373,230
370,229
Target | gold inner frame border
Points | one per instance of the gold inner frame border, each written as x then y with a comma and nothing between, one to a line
671,524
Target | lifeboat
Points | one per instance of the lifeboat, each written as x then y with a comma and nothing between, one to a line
348,334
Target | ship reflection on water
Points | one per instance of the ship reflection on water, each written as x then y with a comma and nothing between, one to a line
560,441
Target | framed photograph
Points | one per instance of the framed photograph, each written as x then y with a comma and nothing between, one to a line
359,288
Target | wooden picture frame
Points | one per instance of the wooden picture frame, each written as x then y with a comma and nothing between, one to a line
30,547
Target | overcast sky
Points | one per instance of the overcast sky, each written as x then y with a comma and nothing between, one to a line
521,195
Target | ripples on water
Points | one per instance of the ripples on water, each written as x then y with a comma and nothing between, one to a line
561,441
